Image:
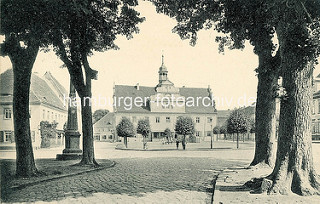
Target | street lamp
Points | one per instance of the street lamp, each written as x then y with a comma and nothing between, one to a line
211,137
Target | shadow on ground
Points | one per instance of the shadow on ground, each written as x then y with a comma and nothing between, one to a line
234,188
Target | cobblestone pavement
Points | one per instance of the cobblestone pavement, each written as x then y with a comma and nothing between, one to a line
133,180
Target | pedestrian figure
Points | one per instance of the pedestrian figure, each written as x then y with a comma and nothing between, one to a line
183,144
177,141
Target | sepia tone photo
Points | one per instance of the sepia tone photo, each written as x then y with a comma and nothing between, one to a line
160,101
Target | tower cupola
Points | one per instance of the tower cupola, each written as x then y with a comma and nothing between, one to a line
163,72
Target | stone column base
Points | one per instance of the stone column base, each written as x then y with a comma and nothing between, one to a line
69,156
72,150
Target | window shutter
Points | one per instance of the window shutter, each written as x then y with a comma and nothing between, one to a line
1,136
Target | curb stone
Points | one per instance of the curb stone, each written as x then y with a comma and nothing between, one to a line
221,177
19,187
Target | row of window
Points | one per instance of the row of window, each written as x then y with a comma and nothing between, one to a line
8,136
8,113
197,133
104,129
50,115
104,137
315,127
314,107
168,120
45,115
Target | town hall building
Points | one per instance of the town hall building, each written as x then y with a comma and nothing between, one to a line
164,103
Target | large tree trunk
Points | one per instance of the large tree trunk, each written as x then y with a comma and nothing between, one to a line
265,120
237,140
87,132
294,169
86,116
22,63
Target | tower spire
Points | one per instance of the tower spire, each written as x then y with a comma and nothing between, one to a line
162,58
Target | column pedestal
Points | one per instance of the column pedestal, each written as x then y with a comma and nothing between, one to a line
72,151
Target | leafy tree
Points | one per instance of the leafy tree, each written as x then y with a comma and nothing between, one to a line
144,129
98,114
216,130
184,126
82,27
237,123
239,21
47,131
223,130
25,29
125,129
298,31
297,26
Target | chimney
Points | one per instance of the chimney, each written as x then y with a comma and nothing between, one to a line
138,86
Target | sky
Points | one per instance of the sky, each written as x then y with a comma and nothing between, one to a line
231,75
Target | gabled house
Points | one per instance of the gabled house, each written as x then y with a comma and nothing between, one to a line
45,105
104,129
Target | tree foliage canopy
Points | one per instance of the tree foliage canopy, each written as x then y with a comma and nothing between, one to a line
24,22
98,114
125,128
216,130
237,122
241,20
185,126
143,127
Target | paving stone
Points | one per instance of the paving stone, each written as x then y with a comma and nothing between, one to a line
130,178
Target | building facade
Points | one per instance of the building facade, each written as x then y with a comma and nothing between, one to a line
46,104
316,110
104,129
164,103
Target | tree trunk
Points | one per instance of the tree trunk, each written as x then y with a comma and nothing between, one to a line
294,169
125,142
86,115
237,140
265,119
87,132
22,67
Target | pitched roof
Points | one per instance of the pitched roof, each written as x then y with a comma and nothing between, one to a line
108,119
40,92
58,87
145,92
223,113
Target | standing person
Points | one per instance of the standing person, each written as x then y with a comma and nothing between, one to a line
177,141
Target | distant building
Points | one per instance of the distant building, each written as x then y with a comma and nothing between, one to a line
222,117
46,104
104,129
316,109
164,103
